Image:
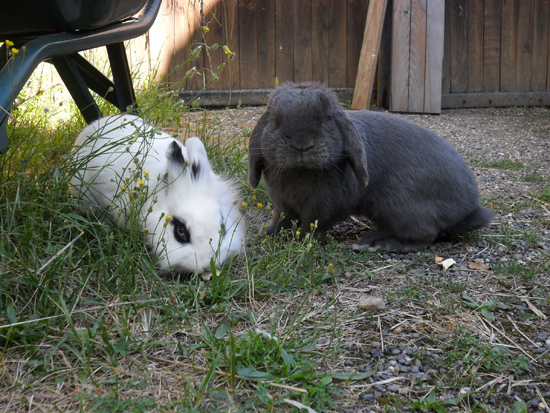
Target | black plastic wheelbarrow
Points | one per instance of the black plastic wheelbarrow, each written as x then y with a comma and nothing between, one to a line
55,31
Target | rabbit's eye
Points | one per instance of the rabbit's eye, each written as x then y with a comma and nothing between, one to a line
181,232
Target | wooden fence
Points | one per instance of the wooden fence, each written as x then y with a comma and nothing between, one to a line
495,51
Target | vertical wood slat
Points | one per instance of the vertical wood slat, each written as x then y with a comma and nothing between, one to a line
369,55
434,60
337,43
320,25
446,75
459,47
356,19
401,24
213,58
508,42
248,47
475,45
491,45
284,46
230,22
417,53
302,41
524,53
266,43
384,61
193,21
539,71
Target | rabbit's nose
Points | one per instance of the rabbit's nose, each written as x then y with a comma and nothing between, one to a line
302,148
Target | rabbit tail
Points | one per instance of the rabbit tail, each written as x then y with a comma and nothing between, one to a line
478,218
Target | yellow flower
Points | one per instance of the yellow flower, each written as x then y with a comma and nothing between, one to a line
227,51
9,43
330,269
123,189
140,182
145,173
243,204
205,29
14,50
168,217
298,234
260,205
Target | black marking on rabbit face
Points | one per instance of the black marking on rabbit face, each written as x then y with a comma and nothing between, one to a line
181,232
175,155
195,171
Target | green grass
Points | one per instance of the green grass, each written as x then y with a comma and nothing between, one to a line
503,164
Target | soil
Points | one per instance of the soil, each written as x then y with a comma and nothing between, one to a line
508,151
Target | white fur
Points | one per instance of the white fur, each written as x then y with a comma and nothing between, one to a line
105,153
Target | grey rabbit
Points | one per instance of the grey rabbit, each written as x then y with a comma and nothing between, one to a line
322,164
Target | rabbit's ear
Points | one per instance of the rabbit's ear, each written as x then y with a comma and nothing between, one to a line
255,158
353,146
198,159
176,160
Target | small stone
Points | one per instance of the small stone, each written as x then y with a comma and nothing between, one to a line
542,336
377,394
414,369
394,388
368,397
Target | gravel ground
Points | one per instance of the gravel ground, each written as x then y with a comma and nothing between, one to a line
509,153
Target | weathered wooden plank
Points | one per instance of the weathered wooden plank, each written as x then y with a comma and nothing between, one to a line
524,54
491,45
474,17
248,46
401,39
192,31
459,47
355,27
337,44
302,41
384,61
266,43
417,68
284,50
369,55
320,26
495,99
435,30
213,35
446,75
508,48
230,23
539,71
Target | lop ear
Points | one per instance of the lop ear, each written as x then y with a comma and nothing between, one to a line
175,155
255,158
198,159
354,147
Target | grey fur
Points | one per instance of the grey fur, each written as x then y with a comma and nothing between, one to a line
322,163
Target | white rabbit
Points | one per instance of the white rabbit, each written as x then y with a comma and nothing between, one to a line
130,168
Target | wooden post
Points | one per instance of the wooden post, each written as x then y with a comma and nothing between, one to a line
369,54
417,55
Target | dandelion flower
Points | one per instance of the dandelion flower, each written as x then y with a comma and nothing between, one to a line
9,43
14,50
140,182
168,217
243,204
123,188
260,205
145,173
298,234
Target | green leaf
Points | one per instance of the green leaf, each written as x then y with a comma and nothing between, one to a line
250,374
